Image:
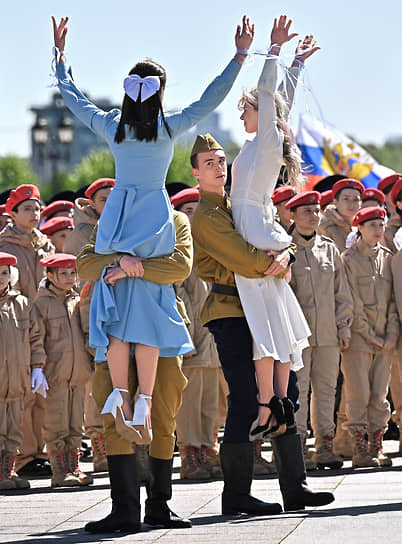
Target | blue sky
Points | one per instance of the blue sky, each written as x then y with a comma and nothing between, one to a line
356,77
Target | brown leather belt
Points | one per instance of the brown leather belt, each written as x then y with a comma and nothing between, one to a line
224,289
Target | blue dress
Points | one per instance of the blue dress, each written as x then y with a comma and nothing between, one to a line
137,219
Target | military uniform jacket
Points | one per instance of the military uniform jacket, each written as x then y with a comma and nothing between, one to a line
20,345
393,224
321,287
370,279
85,219
335,227
396,266
62,337
29,250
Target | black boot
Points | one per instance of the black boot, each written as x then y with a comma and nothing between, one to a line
237,465
289,409
157,512
125,493
292,475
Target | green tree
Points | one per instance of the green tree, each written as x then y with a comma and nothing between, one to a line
180,167
98,164
15,171
389,154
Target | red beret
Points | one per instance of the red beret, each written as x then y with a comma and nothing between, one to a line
326,197
21,193
3,209
56,206
366,214
303,199
385,184
99,184
7,258
375,194
396,189
55,224
59,260
285,192
186,195
347,183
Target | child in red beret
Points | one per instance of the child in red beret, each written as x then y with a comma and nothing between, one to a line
366,365
20,349
67,369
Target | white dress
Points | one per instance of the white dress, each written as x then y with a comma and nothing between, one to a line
277,324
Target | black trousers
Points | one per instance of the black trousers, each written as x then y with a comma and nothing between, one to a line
235,348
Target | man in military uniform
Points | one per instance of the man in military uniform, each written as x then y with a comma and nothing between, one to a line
220,251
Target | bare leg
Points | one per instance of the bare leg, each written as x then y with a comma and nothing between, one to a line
146,358
281,379
264,369
118,354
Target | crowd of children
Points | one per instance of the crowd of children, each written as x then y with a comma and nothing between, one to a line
346,277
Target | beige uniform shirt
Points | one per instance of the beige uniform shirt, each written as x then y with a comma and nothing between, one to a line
29,250
193,292
370,278
85,219
62,337
321,287
393,224
20,345
334,226
396,266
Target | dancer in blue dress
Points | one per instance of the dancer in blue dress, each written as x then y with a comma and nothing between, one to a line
137,223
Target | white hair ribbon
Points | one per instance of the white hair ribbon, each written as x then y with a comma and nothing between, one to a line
150,86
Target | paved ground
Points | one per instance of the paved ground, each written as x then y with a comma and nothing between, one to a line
367,509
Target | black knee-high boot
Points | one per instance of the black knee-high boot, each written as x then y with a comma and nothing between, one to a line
157,512
125,494
237,465
292,474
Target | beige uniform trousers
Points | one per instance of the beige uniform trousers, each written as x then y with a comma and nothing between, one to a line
367,377
11,436
396,388
64,417
92,418
321,368
32,425
195,421
166,399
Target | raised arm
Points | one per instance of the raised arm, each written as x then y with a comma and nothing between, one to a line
93,117
220,86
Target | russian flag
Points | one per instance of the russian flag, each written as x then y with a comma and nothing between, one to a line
326,151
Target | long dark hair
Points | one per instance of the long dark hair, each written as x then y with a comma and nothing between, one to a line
142,117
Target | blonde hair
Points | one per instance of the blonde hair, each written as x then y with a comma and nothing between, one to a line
291,153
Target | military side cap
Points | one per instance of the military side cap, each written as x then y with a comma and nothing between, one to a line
55,224
373,194
303,199
205,143
21,193
368,214
3,209
385,184
187,195
396,190
347,183
59,260
55,207
7,259
285,192
99,184
326,198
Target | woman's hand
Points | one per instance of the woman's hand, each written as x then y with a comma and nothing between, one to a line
305,48
60,32
280,263
113,274
377,342
280,32
132,266
243,38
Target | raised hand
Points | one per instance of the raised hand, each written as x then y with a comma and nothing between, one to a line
280,31
60,32
305,48
244,34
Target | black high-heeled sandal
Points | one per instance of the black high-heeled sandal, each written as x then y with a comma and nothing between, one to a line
270,429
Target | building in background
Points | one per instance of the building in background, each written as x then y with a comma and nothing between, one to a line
59,140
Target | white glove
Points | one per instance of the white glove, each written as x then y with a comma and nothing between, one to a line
38,382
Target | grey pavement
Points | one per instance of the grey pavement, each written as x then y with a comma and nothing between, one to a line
367,509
